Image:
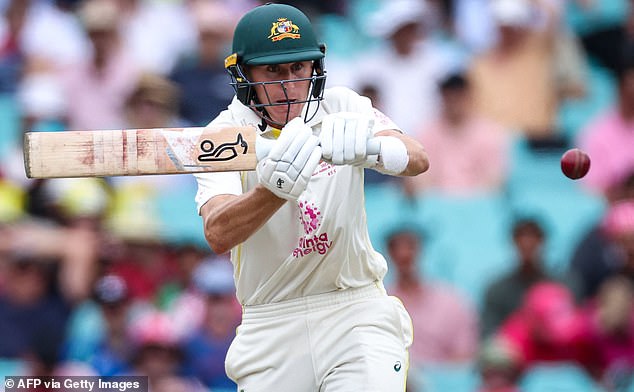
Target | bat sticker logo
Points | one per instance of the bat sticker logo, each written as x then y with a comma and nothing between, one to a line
216,154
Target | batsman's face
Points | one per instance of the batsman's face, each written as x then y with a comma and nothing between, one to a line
288,97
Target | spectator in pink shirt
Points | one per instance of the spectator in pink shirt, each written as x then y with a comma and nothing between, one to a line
609,139
548,328
99,87
469,152
445,325
610,323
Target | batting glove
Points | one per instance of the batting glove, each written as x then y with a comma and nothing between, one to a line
344,137
290,164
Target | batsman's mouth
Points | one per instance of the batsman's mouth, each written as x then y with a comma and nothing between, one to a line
286,101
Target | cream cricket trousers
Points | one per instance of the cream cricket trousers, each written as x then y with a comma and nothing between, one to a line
349,340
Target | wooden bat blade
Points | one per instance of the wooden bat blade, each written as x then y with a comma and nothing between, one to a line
131,152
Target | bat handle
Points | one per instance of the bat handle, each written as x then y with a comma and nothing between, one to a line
263,147
374,146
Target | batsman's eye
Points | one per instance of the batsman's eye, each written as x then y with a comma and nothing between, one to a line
296,67
274,68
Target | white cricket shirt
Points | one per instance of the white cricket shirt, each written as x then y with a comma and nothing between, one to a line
316,245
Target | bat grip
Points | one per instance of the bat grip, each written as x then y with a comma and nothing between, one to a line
373,146
263,147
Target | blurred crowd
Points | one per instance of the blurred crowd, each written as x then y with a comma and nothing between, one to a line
506,267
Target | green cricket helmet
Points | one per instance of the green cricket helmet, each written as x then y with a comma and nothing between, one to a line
275,34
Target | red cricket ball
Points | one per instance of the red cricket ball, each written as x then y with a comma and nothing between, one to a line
575,163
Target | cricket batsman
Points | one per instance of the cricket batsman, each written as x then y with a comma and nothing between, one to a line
316,316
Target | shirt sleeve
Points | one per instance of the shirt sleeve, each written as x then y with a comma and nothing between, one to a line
218,183
214,184
382,122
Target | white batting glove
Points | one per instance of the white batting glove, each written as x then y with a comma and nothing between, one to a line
344,137
289,165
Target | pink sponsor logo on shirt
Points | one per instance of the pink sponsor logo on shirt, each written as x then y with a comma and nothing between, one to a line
311,218
307,245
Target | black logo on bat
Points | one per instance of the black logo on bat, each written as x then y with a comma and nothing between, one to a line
215,154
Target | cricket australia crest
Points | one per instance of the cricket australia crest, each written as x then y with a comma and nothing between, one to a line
284,28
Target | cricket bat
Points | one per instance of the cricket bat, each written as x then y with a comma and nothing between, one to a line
133,152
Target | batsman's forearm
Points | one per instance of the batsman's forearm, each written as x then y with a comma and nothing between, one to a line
230,220
418,161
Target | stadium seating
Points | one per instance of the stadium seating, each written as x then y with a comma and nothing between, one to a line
557,378
445,377
9,123
468,241
537,188
465,238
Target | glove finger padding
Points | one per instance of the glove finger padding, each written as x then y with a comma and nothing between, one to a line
277,182
265,169
338,141
291,131
281,184
344,137
349,142
363,134
302,157
325,137
289,166
296,145
307,172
